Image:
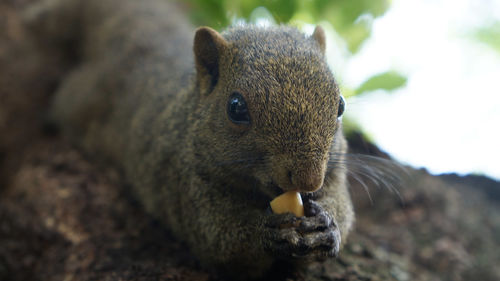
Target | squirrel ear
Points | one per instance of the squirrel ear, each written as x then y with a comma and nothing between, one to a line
319,37
208,48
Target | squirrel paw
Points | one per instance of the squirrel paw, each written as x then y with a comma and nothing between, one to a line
313,237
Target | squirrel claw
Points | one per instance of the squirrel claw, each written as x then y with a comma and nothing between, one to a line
317,219
278,221
289,244
311,238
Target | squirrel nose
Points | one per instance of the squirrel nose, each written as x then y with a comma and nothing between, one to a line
306,181
302,175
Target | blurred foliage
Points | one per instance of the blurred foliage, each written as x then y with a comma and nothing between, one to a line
350,18
388,81
489,35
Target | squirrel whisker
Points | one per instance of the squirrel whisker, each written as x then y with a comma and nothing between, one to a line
380,171
363,184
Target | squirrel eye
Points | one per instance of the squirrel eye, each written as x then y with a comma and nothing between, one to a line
341,107
237,109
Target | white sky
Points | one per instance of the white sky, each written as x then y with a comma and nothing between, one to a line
447,117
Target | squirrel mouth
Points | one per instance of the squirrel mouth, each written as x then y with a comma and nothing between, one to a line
274,190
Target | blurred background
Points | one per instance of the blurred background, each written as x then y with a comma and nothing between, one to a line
421,78
421,81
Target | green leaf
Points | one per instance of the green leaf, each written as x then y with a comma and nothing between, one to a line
489,35
388,81
355,35
209,12
282,10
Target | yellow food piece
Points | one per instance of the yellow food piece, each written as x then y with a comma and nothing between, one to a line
289,201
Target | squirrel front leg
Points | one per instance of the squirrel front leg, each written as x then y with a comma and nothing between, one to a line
318,235
233,236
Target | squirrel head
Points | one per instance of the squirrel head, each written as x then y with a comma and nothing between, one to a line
268,107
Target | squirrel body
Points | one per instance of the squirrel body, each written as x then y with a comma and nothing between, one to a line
146,96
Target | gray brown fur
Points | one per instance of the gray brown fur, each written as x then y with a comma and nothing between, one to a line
140,98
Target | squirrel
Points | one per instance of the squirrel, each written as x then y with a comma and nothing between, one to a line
209,130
